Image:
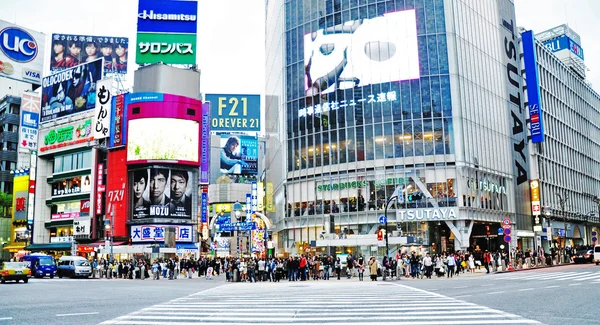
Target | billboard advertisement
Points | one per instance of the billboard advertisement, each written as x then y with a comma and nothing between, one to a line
102,113
72,185
240,113
332,62
166,32
116,193
70,91
70,50
30,116
164,139
20,197
536,206
162,193
534,99
150,233
239,154
117,121
166,48
65,135
21,53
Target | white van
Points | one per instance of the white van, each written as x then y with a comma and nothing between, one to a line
597,254
73,266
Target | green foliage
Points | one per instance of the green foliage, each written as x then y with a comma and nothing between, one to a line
5,204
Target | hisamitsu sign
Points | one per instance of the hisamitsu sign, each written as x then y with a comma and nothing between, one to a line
240,113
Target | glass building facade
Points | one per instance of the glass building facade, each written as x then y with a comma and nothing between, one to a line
390,101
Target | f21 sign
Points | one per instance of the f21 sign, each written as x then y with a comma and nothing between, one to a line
104,94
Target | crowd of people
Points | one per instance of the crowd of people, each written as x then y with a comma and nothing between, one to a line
412,264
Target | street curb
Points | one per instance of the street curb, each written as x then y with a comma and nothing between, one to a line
535,268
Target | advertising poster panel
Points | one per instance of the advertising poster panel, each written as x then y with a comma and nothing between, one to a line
30,116
21,53
239,154
70,91
162,193
165,139
536,125
239,113
70,50
65,135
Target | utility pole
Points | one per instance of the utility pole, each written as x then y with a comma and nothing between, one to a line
562,199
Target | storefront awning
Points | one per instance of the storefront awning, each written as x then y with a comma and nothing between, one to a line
189,246
49,247
14,247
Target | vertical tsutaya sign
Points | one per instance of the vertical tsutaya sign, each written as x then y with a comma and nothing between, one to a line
21,53
100,188
205,144
166,31
534,98
104,93
535,197
117,120
514,106
30,114
240,113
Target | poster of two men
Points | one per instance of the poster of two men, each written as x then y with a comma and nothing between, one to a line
161,192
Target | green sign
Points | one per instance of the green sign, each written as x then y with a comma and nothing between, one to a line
65,133
360,184
166,48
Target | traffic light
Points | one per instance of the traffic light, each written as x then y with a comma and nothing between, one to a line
380,234
487,230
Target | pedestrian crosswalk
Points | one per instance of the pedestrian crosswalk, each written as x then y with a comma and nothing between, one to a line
590,276
317,303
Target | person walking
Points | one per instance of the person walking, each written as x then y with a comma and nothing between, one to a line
360,265
338,267
451,264
487,259
428,264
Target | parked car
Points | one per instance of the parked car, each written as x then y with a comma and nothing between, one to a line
597,254
40,265
583,256
14,271
73,266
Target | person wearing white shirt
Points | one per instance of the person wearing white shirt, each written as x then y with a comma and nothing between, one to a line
451,264
428,264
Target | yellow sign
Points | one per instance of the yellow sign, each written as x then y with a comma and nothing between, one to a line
19,197
221,207
265,197
536,207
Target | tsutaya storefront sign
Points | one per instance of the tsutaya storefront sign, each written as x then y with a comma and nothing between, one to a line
431,214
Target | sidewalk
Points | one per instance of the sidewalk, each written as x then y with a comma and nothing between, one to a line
532,268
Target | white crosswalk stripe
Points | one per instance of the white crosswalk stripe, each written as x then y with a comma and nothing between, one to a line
319,303
551,276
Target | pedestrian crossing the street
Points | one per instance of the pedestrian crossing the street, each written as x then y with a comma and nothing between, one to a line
317,303
588,276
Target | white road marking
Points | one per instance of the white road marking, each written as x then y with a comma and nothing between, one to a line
527,289
463,296
575,284
548,287
77,314
596,275
495,292
6,318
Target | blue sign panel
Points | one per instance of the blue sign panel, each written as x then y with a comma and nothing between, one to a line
18,45
563,43
382,220
536,125
167,16
204,206
133,98
240,113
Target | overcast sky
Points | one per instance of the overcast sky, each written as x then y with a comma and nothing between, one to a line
231,32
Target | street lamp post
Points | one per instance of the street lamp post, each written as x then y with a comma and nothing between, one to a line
109,235
387,243
237,209
562,199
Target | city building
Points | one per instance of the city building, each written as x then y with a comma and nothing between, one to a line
565,173
9,136
416,103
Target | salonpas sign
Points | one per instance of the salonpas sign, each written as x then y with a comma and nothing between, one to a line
430,214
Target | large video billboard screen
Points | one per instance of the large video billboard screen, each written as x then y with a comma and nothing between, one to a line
239,154
164,139
361,53
69,50
70,91
162,193
21,53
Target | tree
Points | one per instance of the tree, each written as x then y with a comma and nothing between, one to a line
5,204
